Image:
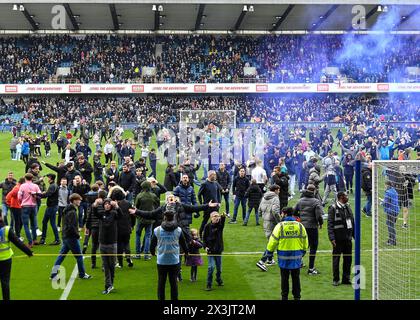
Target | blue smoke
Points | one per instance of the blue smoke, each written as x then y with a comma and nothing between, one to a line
374,53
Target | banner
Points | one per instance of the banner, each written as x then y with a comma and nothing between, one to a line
228,88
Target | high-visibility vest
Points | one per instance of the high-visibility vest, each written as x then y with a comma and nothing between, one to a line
6,251
291,241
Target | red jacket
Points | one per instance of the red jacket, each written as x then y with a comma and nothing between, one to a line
12,197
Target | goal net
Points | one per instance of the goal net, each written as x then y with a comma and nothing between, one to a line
396,242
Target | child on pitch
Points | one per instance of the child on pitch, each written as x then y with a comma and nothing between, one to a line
194,258
213,243
287,211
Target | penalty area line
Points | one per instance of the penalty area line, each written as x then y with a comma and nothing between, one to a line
70,284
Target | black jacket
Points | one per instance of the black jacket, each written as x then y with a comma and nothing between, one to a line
159,190
224,179
70,176
91,221
6,187
213,236
170,181
52,195
282,180
109,173
240,186
86,170
108,225
72,154
337,223
190,170
209,191
254,195
310,210
127,221
367,180
70,223
127,181
97,165
61,171
81,189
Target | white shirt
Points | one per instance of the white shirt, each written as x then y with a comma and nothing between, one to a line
308,154
67,155
259,174
144,152
108,148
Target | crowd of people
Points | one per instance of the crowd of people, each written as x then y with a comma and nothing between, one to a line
187,59
109,199
68,112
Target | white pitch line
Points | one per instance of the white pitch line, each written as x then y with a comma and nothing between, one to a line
69,285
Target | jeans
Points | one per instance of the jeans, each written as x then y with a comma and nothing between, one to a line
242,201
313,245
349,181
214,262
98,177
129,197
123,247
108,262
49,215
5,209
267,256
147,237
82,211
5,269
17,218
94,235
153,167
13,153
285,283
292,184
29,216
72,245
226,197
392,233
328,189
163,272
342,247
60,214
368,205
249,213
108,157
18,155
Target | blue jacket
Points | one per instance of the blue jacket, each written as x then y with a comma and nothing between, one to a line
390,202
25,148
186,194
385,152
291,165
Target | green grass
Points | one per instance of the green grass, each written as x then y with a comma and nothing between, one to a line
242,279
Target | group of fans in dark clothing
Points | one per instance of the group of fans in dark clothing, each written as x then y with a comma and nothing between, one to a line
103,199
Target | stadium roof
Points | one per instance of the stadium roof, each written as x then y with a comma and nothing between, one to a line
207,16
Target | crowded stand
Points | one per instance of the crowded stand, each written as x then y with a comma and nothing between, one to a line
165,109
202,59
106,166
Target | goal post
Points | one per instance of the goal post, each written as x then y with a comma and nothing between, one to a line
395,228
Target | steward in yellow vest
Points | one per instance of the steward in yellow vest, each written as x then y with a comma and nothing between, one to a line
6,236
291,241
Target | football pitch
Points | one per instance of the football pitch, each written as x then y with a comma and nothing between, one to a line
242,279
